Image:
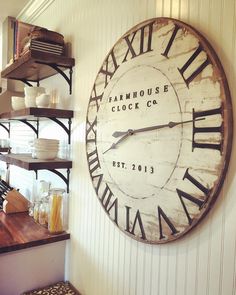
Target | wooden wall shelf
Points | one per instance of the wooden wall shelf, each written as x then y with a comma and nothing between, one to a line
4,150
29,113
35,66
34,114
25,161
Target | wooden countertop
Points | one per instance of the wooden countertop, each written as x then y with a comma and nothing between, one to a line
20,231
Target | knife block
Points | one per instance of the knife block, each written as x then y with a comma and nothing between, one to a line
15,202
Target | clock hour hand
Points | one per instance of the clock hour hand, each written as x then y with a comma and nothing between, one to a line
125,135
170,125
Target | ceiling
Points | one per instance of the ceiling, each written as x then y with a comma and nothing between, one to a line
11,8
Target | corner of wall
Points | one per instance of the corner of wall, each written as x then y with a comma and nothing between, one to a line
33,10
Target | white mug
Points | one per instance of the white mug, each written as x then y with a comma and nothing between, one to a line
43,100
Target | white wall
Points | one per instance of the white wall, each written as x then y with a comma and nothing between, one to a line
32,268
102,259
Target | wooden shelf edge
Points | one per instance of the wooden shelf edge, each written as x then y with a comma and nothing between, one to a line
35,56
4,150
40,242
20,231
38,112
26,162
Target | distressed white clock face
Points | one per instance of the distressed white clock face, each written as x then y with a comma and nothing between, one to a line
159,130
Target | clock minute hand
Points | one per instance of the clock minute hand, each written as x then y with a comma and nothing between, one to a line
170,125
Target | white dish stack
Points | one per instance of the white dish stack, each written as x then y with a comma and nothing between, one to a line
45,149
31,92
35,96
17,103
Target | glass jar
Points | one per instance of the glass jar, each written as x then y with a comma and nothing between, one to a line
31,209
56,211
36,211
43,213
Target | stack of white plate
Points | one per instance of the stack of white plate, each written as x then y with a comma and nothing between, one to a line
46,149
31,92
17,103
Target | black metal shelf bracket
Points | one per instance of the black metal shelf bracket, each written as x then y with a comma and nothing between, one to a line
67,130
5,127
65,179
36,174
26,82
57,68
35,129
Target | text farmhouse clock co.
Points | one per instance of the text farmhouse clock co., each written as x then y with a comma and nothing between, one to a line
159,130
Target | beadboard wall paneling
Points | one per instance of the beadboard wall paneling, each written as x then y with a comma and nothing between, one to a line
102,260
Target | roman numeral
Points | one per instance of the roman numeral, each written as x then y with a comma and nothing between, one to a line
189,63
106,199
196,183
163,217
197,130
110,67
98,181
145,44
91,132
166,52
95,97
137,220
200,203
93,162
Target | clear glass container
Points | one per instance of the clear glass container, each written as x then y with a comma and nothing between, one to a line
36,211
31,209
43,213
56,222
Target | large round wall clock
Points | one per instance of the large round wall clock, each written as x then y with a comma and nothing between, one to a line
159,130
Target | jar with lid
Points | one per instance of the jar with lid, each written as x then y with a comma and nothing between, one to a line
56,210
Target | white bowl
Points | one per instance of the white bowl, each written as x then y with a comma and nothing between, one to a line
18,106
46,141
30,101
33,90
17,102
45,155
43,100
46,147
